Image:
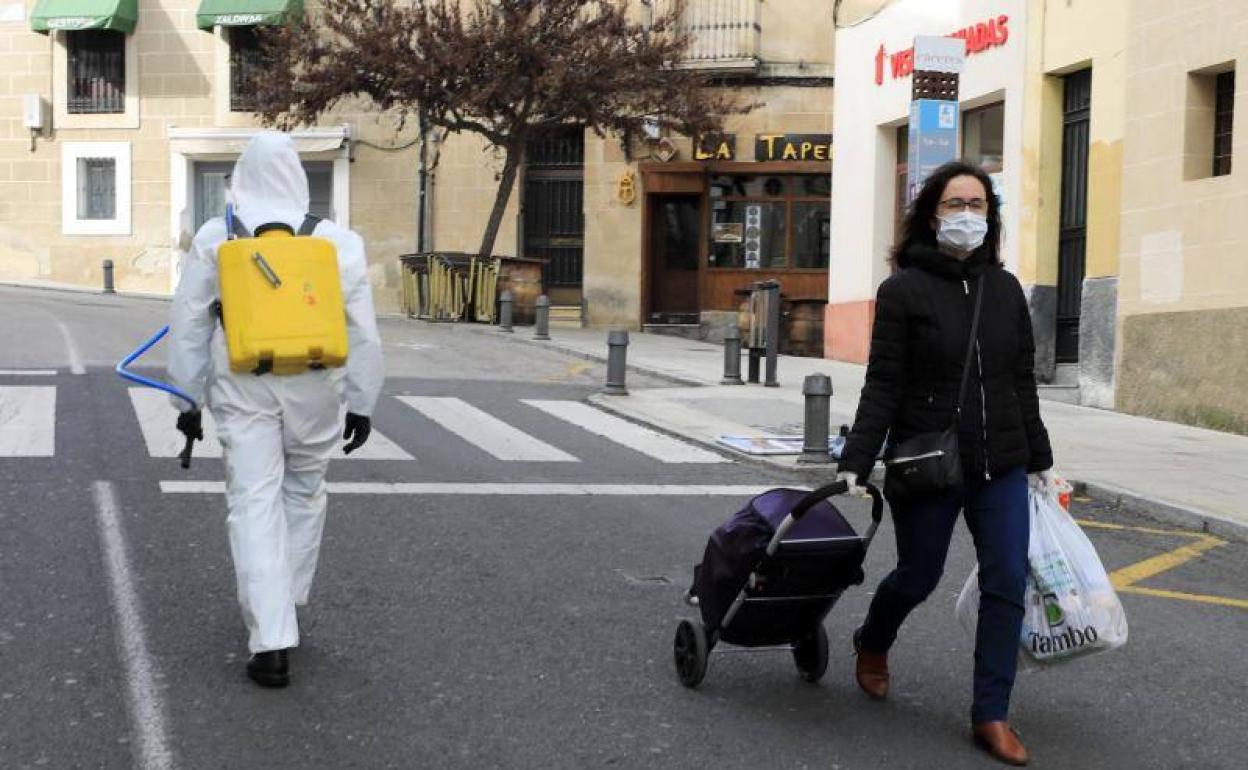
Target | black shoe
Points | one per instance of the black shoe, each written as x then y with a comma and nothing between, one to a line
269,669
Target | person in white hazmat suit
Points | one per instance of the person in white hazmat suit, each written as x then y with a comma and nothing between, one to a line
278,432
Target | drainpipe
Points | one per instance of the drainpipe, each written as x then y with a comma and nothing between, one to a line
422,193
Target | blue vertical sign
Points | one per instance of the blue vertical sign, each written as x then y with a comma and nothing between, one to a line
933,140
934,119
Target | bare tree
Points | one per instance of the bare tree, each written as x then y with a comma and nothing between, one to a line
507,70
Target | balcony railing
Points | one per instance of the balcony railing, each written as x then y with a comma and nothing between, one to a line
725,32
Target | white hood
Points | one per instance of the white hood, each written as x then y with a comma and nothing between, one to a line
269,183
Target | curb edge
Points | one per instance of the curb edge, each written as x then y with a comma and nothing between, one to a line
1162,511
553,344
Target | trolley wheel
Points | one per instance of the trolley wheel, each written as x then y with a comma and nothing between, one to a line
691,652
811,655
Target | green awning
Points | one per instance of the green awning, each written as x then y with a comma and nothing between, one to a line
117,15
240,13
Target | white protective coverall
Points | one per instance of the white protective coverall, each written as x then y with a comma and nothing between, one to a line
278,432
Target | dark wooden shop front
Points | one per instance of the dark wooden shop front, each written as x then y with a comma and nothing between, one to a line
712,230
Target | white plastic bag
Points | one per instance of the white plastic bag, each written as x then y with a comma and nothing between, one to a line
1071,609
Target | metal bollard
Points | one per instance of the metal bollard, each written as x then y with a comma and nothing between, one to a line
732,357
543,318
617,362
504,312
773,332
817,388
108,277
756,356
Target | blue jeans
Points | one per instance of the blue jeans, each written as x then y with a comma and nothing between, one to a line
998,516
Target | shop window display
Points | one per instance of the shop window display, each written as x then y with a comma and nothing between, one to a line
770,221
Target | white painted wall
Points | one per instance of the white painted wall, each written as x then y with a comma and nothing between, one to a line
866,115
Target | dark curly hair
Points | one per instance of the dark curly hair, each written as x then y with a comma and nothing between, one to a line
917,228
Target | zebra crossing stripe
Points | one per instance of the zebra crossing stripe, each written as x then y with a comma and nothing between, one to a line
485,431
157,417
625,433
28,421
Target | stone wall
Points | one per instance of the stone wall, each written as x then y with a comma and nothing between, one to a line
1188,367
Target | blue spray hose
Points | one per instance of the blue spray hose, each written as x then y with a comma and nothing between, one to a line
125,373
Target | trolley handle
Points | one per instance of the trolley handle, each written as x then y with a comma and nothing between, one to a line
839,488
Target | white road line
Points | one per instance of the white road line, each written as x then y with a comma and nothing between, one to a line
486,432
625,433
508,490
146,706
75,359
28,372
28,421
157,417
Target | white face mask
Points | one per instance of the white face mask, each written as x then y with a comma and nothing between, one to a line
962,232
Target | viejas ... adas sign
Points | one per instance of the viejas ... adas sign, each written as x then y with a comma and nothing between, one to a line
980,37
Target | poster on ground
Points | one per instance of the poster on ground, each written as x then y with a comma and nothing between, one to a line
776,445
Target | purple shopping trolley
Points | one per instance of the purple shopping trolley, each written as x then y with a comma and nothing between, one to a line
769,577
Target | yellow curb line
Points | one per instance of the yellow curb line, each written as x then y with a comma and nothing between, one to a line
1221,600
1162,563
1085,523
1125,579
574,369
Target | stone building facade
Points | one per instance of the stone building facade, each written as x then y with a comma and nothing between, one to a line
140,124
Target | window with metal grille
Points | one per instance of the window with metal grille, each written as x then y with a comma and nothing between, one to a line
722,30
561,147
246,61
554,205
1223,115
97,188
97,72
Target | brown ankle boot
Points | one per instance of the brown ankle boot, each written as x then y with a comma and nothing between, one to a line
999,740
871,670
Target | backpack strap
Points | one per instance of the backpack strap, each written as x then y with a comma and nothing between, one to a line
238,229
309,225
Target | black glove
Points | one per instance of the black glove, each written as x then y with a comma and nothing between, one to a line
357,431
191,424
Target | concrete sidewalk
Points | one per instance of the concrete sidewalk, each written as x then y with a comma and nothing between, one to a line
1189,476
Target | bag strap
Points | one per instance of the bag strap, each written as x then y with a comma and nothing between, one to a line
309,225
238,229
970,348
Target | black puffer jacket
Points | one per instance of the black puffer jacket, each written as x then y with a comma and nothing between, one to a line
918,347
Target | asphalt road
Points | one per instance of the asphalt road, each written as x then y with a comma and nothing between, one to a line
475,630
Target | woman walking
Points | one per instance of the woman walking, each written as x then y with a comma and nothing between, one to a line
925,374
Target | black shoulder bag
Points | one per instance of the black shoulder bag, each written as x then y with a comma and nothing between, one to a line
931,463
